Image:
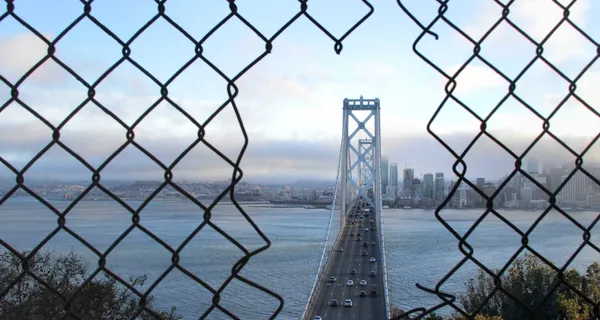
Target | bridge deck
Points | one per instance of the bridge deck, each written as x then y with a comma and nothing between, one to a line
340,266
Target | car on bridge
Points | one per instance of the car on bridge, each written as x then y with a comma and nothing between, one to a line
348,303
372,273
362,283
350,283
332,279
334,303
374,290
364,253
373,243
318,318
372,260
340,249
353,271
363,294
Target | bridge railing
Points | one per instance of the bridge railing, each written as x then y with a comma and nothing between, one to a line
325,257
383,259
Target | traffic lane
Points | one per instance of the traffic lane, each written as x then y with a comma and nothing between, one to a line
335,267
362,306
340,291
333,270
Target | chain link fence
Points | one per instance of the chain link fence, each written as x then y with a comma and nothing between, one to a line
67,300
502,17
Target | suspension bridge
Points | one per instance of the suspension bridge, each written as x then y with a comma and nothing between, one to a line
351,282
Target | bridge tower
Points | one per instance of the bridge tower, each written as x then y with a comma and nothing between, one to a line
361,153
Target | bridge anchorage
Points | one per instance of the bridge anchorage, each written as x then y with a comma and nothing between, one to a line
352,278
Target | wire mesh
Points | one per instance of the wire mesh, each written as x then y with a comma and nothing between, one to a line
533,310
87,14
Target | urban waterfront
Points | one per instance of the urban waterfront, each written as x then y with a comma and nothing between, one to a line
419,248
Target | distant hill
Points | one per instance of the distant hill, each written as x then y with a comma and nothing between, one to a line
313,184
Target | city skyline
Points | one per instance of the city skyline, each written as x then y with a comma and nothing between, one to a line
291,110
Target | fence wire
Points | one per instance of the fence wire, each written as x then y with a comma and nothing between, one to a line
87,13
460,165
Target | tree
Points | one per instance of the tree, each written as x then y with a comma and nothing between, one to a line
528,280
533,284
102,298
572,305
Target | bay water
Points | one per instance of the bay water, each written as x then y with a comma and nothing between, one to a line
419,249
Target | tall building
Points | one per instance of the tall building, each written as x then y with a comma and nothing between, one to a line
428,185
533,165
408,176
480,183
417,189
393,181
439,186
385,175
576,190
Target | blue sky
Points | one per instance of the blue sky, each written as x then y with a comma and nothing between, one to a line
291,101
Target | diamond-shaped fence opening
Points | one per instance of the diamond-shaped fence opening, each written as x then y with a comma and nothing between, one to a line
103,135
20,236
88,61
138,250
494,251
210,253
37,93
164,40
175,291
570,51
89,215
239,51
507,50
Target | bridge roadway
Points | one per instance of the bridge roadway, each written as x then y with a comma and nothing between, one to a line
340,266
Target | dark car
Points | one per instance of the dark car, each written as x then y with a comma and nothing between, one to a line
353,271
372,273
334,303
363,294
374,290
365,244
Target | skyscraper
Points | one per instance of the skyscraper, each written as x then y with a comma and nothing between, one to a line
533,165
385,175
408,176
439,186
393,182
428,185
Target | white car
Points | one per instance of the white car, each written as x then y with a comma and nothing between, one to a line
372,259
349,283
363,282
348,303
318,318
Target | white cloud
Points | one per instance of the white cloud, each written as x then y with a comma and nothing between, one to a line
20,52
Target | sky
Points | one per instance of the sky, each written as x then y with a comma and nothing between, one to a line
291,101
